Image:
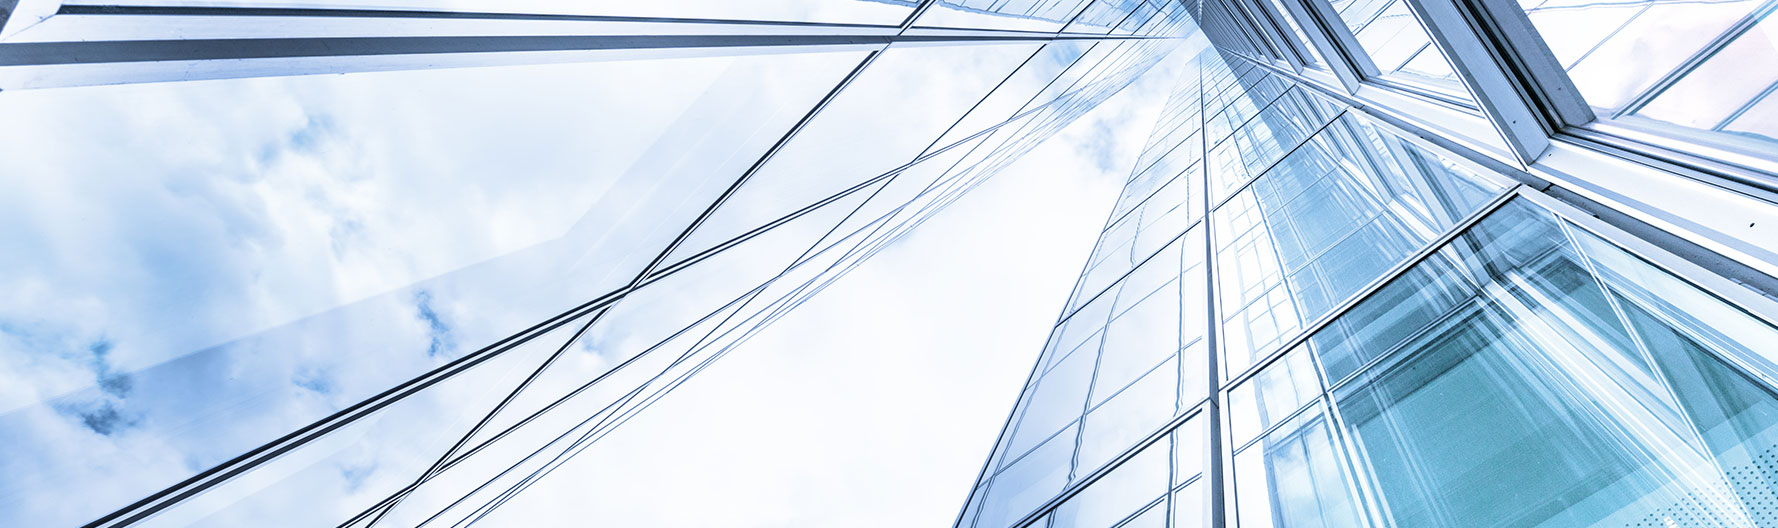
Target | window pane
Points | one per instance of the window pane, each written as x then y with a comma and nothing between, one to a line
1131,415
315,240
1119,493
1028,482
1560,381
1294,478
1324,222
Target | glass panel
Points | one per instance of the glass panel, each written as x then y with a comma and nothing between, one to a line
1273,394
886,117
1262,141
1153,517
1400,47
1059,399
1627,47
1729,83
1119,493
1026,15
1137,341
348,469
1129,416
1323,223
1028,482
1188,506
303,243
1294,478
1760,119
1302,39
1559,381
1189,449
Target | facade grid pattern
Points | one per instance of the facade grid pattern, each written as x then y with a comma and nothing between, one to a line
1411,322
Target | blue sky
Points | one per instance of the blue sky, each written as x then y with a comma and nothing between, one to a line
239,258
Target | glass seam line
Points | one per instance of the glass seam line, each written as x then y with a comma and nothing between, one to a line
778,313
1399,269
656,262
1114,462
977,487
661,274
246,461
605,425
699,221
829,281
1613,147
132,51
1249,181
348,12
1406,128
1696,59
1087,480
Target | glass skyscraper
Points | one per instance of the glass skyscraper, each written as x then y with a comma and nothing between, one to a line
1422,263
1381,262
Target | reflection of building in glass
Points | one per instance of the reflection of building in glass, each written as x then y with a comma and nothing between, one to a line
1436,284
403,295
1381,263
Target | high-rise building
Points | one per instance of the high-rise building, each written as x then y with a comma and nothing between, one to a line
1381,263
1427,263
345,262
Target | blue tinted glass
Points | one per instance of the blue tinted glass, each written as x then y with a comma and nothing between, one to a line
1294,478
1118,494
1324,222
1559,381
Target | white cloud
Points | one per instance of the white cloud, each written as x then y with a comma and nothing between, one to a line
875,403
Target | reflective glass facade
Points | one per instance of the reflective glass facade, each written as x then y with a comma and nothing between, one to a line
1380,263
391,263
1344,288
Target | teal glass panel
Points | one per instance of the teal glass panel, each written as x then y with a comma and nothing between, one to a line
1541,376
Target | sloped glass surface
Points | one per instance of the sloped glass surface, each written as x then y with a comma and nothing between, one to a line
252,255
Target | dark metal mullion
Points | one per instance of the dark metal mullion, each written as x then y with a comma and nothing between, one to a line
111,52
661,274
225,471
1213,469
658,260
1086,481
1287,32
1336,59
813,246
307,12
1342,40
1268,31
1009,427
601,428
1268,168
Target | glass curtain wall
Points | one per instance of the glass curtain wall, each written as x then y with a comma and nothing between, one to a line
1365,330
401,297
